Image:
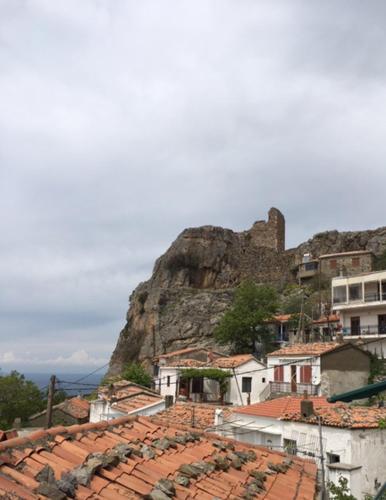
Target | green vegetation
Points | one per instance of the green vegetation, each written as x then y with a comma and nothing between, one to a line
19,398
341,491
246,322
136,373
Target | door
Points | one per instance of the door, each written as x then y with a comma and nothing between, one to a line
293,379
382,323
355,325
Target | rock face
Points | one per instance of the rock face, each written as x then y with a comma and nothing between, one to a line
193,282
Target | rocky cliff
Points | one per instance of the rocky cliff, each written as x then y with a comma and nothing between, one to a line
193,282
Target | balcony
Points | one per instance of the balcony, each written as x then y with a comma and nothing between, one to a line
364,330
293,388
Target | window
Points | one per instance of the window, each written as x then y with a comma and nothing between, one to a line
332,458
355,322
197,385
246,383
290,446
168,381
339,294
278,374
333,264
355,291
263,380
355,262
305,374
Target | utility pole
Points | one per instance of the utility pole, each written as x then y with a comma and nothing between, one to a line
50,400
193,409
323,492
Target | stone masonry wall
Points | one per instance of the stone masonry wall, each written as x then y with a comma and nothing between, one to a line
270,234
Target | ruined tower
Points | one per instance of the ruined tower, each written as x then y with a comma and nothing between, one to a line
271,233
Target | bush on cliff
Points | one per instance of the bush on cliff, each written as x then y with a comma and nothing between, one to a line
245,324
136,373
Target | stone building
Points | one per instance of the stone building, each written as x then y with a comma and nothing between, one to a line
270,234
71,411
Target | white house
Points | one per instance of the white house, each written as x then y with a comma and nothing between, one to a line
353,437
320,368
247,381
124,398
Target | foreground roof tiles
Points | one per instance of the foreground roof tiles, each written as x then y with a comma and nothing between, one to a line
332,414
134,458
312,349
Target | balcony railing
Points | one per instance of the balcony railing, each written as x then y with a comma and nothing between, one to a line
364,330
294,388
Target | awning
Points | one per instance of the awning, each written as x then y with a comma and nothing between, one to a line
361,393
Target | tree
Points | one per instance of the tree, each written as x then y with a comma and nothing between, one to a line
136,373
246,323
341,491
18,398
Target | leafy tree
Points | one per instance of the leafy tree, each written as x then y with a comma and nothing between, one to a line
18,398
136,373
341,491
245,325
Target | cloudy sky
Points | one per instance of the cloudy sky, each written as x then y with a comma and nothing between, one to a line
122,122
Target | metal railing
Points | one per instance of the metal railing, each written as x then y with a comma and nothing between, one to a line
295,388
364,330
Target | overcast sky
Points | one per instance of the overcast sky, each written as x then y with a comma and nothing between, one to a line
123,122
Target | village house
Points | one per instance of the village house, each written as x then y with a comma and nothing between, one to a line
136,457
353,437
246,383
71,411
335,264
320,368
124,398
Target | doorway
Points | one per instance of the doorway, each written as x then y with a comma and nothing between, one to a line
355,325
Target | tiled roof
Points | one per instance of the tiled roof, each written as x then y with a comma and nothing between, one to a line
77,407
332,414
202,415
131,458
181,351
282,318
276,408
127,405
332,318
187,363
232,361
344,254
312,349
123,389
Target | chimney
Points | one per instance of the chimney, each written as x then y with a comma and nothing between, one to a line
339,337
218,417
168,401
306,408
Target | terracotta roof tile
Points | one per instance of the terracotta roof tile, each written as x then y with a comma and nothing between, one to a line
150,458
182,413
312,349
232,361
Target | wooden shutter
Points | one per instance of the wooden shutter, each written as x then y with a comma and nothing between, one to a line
279,373
305,374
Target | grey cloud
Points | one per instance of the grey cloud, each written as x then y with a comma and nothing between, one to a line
123,122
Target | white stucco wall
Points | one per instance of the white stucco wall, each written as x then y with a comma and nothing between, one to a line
364,448
103,410
368,315
259,382
161,381
299,361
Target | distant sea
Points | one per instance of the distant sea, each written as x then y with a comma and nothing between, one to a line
82,387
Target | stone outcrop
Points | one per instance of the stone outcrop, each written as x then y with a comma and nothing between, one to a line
193,282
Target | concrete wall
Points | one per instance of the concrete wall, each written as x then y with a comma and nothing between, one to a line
161,381
368,315
299,361
338,381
